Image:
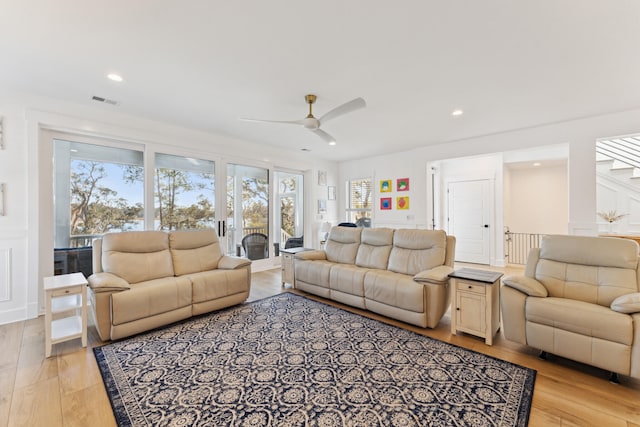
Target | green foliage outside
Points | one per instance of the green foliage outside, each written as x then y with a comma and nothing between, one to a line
96,209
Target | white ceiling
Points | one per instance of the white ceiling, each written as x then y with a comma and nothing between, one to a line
203,63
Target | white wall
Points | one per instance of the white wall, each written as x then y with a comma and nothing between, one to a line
26,231
578,135
538,200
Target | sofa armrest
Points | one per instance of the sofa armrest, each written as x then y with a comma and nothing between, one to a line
232,262
314,255
107,282
628,303
526,285
438,275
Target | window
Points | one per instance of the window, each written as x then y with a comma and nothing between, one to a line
359,199
247,210
289,218
96,189
184,193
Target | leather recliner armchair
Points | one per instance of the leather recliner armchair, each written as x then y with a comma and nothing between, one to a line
580,299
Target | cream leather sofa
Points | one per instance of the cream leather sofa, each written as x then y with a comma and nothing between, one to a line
579,298
402,274
146,279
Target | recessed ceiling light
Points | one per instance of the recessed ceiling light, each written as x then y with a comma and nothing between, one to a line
332,143
537,164
115,77
457,112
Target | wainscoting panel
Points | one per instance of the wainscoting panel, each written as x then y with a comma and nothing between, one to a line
5,274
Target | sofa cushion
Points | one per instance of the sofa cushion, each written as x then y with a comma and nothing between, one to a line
150,298
593,284
581,318
342,244
210,285
393,289
417,250
137,256
348,279
193,251
375,247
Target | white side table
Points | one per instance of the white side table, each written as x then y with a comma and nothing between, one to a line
65,309
475,302
288,272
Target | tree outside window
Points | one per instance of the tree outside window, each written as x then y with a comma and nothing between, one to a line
360,195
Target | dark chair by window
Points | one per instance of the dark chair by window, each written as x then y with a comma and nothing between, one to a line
347,224
255,246
294,242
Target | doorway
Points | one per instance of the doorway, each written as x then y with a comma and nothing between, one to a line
247,212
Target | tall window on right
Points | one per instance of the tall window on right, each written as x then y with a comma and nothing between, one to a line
359,201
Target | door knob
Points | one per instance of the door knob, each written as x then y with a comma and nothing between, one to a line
486,226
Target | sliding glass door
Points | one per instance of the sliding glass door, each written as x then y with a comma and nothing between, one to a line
247,207
103,186
289,207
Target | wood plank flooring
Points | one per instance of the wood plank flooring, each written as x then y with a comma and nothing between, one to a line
67,390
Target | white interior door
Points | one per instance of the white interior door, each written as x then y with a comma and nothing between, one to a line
469,213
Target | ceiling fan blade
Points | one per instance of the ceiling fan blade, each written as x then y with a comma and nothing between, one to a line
286,122
345,108
325,136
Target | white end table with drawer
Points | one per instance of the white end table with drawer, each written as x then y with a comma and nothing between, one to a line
475,302
66,300
288,273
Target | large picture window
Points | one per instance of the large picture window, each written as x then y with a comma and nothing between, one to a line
96,189
184,192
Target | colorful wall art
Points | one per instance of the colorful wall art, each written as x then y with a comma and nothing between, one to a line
386,186
386,203
402,203
403,184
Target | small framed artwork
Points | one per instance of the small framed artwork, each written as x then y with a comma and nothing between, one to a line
386,203
402,203
322,206
385,186
322,177
402,184
332,192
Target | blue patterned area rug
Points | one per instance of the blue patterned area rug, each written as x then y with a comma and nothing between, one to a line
290,361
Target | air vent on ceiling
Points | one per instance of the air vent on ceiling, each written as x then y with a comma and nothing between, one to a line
104,100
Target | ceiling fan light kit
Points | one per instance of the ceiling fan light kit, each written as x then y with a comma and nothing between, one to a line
312,123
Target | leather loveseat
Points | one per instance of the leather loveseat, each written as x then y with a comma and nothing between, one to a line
147,279
402,274
579,298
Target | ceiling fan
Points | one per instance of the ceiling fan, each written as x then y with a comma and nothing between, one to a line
312,123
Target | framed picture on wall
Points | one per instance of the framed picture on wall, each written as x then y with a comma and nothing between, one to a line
385,186
402,203
332,192
403,184
322,177
386,204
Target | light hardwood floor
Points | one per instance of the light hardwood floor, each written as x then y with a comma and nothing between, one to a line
67,390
